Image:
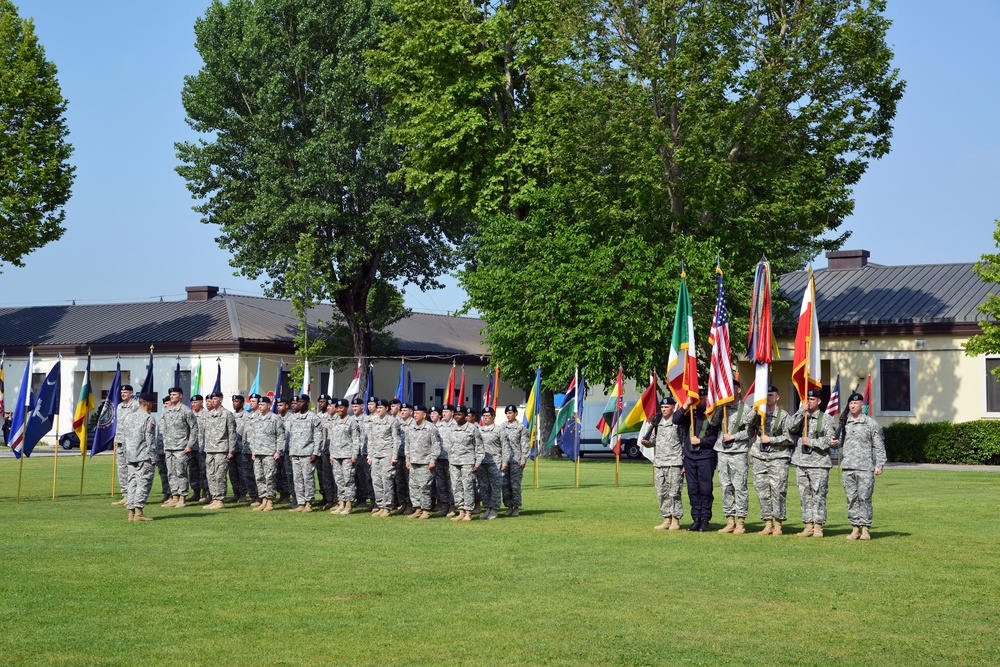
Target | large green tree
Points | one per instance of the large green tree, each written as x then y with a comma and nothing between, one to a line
35,174
988,342
295,160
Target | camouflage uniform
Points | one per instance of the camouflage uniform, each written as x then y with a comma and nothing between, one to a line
423,445
139,453
862,453
514,448
197,468
219,442
345,444
734,467
442,475
286,478
490,479
324,471
383,443
401,476
465,452
770,465
161,465
668,457
122,413
241,472
178,429
812,463
266,438
363,471
305,437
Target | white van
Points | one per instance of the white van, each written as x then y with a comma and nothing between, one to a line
590,439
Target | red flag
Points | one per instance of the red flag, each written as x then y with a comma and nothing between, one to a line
461,389
806,359
868,409
496,387
720,370
449,397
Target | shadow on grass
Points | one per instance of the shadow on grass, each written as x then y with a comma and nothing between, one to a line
524,512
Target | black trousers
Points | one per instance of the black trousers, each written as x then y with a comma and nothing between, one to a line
699,474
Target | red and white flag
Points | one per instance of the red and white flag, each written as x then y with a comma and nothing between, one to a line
720,370
354,388
806,372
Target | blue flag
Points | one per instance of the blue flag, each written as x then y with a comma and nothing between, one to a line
369,392
570,414
107,419
402,380
177,375
147,384
18,421
218,376
44,408
278,387
255,387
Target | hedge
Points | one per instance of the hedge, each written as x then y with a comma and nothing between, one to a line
976,442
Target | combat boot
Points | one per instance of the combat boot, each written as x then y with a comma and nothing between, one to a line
509,512
139,516
817,530
663,526
205,500
442,511
466,515
407,510
346,509
120,503
776,527
492,514
238,498
807,531
166,498
768,528
424,514
478,508
730,525
865,535
415,514
329,505
170,501
740,526
855,533
131,515
458,516
308,508
675,524
178,502
283,498
336,508
296,508
516,512
268,505
195,496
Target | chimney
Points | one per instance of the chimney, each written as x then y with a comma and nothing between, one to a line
847,259
202,293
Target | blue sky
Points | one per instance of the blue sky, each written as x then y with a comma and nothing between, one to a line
130,224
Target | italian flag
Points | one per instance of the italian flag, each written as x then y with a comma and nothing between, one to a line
682,367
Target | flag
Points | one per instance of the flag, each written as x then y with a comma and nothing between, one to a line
277,387
762,349
44,408
196,380
306,385
461,389
487,395
217,387
530,417
833,405
177,374
255,387
867,407
330,388
643,410
354,388
401,383
496,387
84,406
3,410
147,384
569,440
682,367
409,388
449,397
107,420
370,391
720,367
613,405
566,412
19,419
806,372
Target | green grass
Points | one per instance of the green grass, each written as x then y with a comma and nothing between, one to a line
579,578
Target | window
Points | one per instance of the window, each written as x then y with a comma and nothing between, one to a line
419,393
992,386
477,397
894,385
185,383
439,397
324,382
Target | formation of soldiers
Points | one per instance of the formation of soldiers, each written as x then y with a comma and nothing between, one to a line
770,444
396,459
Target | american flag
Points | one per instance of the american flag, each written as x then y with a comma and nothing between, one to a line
833,405
720,374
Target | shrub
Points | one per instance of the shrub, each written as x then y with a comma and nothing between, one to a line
976,442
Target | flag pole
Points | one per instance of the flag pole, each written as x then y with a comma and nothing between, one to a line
618,458
20,470
83,465
114,469
576,436
23,409
55,459
538,445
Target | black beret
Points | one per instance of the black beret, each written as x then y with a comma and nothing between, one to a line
771,389
197,397
147,398
419,408
282,399
304,398
668,400
126,387
381,403
324,397
814,393
238,397
434,409
175,390
448,406
489,411
855,397
265,399
405,406
166,399
395,401
357,400
341,403
255,395
463,409
216,394
511,408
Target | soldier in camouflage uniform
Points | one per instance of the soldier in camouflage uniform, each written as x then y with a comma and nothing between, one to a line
490,479
514,448
771,452
178,429
140,456
362,471
241,469
305,438
668,458
324,471
197,470
733,450
443,495
128,406
161,461
219,443
811,459
383,444
285,482
344,434
423,446
401,476
266,442
465,454
862,458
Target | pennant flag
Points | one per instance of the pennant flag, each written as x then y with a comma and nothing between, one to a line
370,391
84,406
44,408
682,367
218,376
613,406
330,386
488,395
496,387
449,397
402,380
277,387
107,420
720,368
530,416
762,348
461,389
147,384
255,387
565,414
806,372
354,388
177,373
867,407
19,419
306,384
643,410
3,410
196,380
833,405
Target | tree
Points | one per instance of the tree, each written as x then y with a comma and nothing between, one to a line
35,175
295,163
988,342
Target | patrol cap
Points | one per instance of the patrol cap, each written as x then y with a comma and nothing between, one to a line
265,399
197,397
381,403
855,397
126,387
448,406
668,400
489,411
175,390
814,393
238,397
511,408
357,400
324,397
304,398
147,398
341,403
771,389
420,408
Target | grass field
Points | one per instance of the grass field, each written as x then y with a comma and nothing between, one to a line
579,578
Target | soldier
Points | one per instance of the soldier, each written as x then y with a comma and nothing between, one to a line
401,477
179,432
862,454
219,444
305,436
733,450
324,471
266,442
699,460
423,445
383,444
490,479
197,471
465,455
442,475
344,433
811,458
285,479
127,407
771,452
362,471
241,471
161,461
514,448
140,455
668,458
